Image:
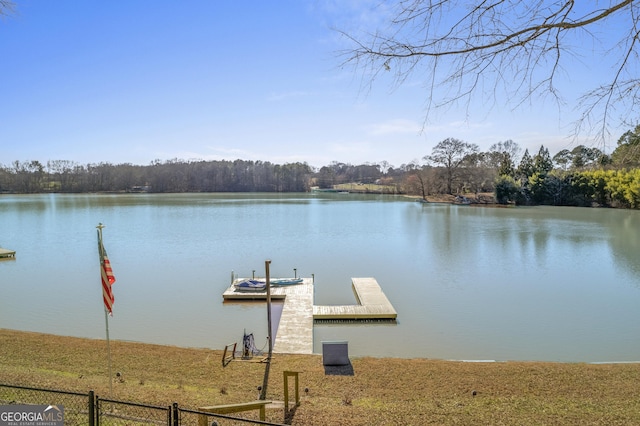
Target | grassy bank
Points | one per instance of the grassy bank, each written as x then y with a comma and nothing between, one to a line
381,391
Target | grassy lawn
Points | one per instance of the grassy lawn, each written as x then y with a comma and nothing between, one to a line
381,391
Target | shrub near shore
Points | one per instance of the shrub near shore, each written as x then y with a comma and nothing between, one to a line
381,391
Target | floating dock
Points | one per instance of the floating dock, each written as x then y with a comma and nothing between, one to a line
295,330
372,304
7,254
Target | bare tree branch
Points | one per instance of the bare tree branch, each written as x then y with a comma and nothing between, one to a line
7,7
463,49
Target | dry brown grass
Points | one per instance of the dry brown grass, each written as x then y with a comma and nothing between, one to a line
382,391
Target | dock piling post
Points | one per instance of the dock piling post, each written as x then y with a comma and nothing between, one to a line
265,382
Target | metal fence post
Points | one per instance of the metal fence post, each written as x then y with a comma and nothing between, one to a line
176,414
97,412
92,406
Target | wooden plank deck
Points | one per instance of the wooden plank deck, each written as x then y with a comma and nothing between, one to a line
276,293
372,304
295,329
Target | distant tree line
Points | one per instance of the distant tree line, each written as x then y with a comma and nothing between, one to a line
583,176
169,176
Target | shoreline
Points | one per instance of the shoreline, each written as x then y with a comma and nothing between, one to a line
195,348
377,390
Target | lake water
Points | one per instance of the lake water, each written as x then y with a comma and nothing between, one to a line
526,283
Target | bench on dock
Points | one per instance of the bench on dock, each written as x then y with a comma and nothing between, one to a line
233,408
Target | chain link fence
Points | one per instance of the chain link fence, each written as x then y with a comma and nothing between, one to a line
82,409
118,413
77,406
199,418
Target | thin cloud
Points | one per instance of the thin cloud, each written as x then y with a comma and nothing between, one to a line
349,148
458,125
397,126
214,154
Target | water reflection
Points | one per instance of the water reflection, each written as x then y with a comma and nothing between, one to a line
489,283
625,241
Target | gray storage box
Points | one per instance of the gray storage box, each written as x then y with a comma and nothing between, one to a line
335,353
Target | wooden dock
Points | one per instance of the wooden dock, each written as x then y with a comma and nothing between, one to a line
372,304
7,254
295,329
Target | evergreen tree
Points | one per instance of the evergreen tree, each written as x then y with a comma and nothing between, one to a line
627,154
542,162
563,159
525,168
506,166
507,190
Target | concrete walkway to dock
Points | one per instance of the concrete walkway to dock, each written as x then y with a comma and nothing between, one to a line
295,329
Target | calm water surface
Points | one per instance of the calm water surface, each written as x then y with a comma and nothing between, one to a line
539,283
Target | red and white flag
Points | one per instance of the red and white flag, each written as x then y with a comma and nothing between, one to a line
107,281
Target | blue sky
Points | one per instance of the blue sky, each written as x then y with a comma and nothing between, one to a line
138,81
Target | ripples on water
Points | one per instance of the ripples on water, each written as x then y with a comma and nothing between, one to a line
530,283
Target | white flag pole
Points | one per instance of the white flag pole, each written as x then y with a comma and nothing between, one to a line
106,313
